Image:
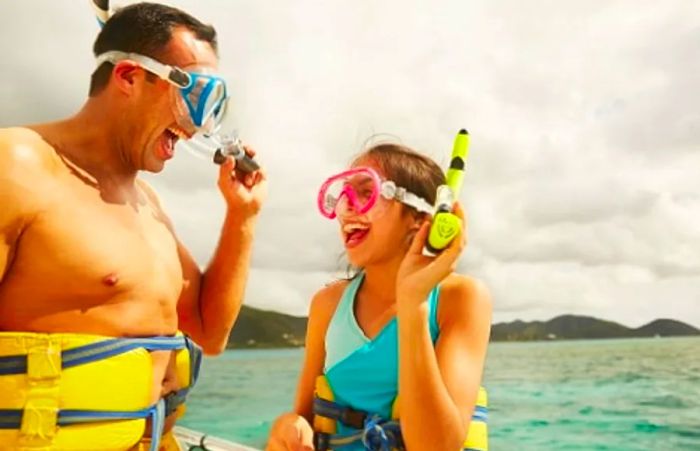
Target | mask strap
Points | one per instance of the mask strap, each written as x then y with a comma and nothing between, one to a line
173,75
391,191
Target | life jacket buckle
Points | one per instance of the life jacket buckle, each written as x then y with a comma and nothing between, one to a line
353,418
44,360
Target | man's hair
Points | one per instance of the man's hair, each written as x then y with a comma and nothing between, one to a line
144,28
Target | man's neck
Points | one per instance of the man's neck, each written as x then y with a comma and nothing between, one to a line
91,142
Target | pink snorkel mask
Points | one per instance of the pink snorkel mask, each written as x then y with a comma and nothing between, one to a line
360,189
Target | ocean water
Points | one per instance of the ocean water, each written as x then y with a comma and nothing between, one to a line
640,394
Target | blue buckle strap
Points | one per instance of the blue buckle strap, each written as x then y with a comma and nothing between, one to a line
480,414
375,432
109,348
12,418
17,364
93,352
196,355
175,399
382,435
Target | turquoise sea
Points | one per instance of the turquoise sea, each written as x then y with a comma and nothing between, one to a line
640,394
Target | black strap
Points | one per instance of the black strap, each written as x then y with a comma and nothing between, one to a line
346,415
321,441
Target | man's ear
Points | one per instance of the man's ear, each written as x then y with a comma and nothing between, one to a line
124,76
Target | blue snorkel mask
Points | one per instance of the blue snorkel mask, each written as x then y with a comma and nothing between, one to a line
201,102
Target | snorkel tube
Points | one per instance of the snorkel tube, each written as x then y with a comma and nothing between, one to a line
101,8
446,225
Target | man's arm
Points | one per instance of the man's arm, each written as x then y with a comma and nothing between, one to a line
20,168
210,302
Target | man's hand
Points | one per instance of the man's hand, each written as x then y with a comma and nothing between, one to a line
244,192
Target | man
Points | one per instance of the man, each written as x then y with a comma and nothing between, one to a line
85,246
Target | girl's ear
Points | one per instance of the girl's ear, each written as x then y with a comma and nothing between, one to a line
418,220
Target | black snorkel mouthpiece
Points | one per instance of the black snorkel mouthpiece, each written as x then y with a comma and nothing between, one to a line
233,147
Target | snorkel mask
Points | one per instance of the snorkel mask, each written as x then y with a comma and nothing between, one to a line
199,103
200,100
360,189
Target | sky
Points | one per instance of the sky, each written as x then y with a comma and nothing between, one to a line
582,186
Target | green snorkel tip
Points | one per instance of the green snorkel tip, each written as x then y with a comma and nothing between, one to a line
446,225
455,173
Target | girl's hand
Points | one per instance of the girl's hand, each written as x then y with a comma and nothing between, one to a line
419,274
291,432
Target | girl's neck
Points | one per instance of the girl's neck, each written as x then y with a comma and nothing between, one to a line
379,283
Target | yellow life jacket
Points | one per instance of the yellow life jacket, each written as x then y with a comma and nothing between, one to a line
85,392
327,413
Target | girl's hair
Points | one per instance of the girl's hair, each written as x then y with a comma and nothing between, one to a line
407,168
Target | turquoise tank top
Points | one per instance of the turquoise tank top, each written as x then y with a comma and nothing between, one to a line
362,373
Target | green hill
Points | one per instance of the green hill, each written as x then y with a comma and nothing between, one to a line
570,327
266,329
665,328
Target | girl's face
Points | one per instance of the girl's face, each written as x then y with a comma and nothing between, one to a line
380,234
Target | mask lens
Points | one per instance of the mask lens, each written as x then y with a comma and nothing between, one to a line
214,100
363,186
181,113
205,100
355,191
330,197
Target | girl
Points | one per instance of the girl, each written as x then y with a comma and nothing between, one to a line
404,327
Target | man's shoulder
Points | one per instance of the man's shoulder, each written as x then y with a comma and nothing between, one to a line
23,153
26,162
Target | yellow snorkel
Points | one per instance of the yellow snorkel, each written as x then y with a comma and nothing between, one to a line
446,225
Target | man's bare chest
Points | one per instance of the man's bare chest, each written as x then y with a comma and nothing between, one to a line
86,241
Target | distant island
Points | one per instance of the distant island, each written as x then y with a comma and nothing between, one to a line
257,328
573,327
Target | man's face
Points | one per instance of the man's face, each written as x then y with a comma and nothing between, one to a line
155,119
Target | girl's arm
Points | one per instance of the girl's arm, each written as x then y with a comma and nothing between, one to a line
321,311
292,430
438,386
